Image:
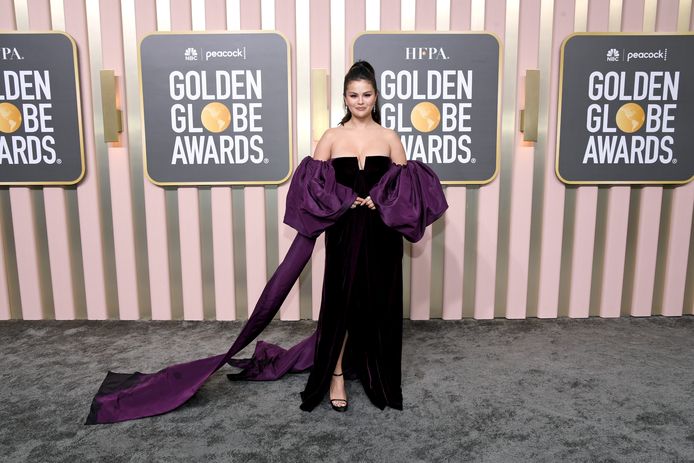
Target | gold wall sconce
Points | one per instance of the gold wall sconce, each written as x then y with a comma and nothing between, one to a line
111,115
320,114
529,115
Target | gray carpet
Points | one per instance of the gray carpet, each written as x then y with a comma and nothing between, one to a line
499,390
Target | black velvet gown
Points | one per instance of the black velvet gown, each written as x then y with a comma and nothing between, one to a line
362,296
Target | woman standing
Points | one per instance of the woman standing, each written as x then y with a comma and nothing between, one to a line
359,189
360,320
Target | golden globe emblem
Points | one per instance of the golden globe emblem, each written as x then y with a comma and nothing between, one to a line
630,117
425,116
215,117
10,118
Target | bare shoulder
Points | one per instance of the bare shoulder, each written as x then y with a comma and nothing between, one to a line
390,133
324,147
397,151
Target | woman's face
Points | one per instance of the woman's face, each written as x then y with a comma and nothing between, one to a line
360,97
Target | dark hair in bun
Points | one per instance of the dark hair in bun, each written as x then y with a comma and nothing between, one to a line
361,70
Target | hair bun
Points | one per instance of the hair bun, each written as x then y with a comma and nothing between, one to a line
363,65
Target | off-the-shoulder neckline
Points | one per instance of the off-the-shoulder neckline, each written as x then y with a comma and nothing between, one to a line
327,161
365,158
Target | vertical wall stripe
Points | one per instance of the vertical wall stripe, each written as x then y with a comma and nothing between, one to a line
512,270
395,12
454,218
610,255
649,15
57,15
165,23
199,14
477,15
642,236
21,12
125,167
163,15
443,21
488,216
233,22
510,81
29,233
407,15
233,15
676,211
674,277
452,228
100,298
149,200
684,15
254,197
129,236
443,15
100,168
216,225
50,209
119,181
287,22
320,53
37,20
302,63
585,214
420,277
190,268
615,16
373,15
454,256
267,22
337,59
548,193
238,224
73,239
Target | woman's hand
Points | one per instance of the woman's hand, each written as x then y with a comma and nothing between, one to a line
364,202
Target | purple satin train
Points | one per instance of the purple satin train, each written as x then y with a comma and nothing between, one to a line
408,198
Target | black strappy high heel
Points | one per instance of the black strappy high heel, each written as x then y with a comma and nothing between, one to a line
339,408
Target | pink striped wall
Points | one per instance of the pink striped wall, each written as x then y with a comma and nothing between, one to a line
520,246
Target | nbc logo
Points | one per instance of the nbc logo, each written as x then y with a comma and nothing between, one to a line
191,54
613,55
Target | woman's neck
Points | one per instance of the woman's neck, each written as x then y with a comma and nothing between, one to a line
363,123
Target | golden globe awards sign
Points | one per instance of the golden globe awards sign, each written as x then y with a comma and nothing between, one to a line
626,109
40,120
216,108
440,93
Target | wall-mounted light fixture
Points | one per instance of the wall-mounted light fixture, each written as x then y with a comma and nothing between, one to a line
112,117
320,114
529,115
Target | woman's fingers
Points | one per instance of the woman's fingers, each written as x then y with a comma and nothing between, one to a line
363,201
369,202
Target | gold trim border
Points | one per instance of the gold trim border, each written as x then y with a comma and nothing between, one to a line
78,100
559,110
289,107
498,97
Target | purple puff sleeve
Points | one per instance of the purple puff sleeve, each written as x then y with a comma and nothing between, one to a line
409,198
315,200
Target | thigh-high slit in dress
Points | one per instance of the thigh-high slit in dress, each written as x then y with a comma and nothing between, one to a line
362,295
